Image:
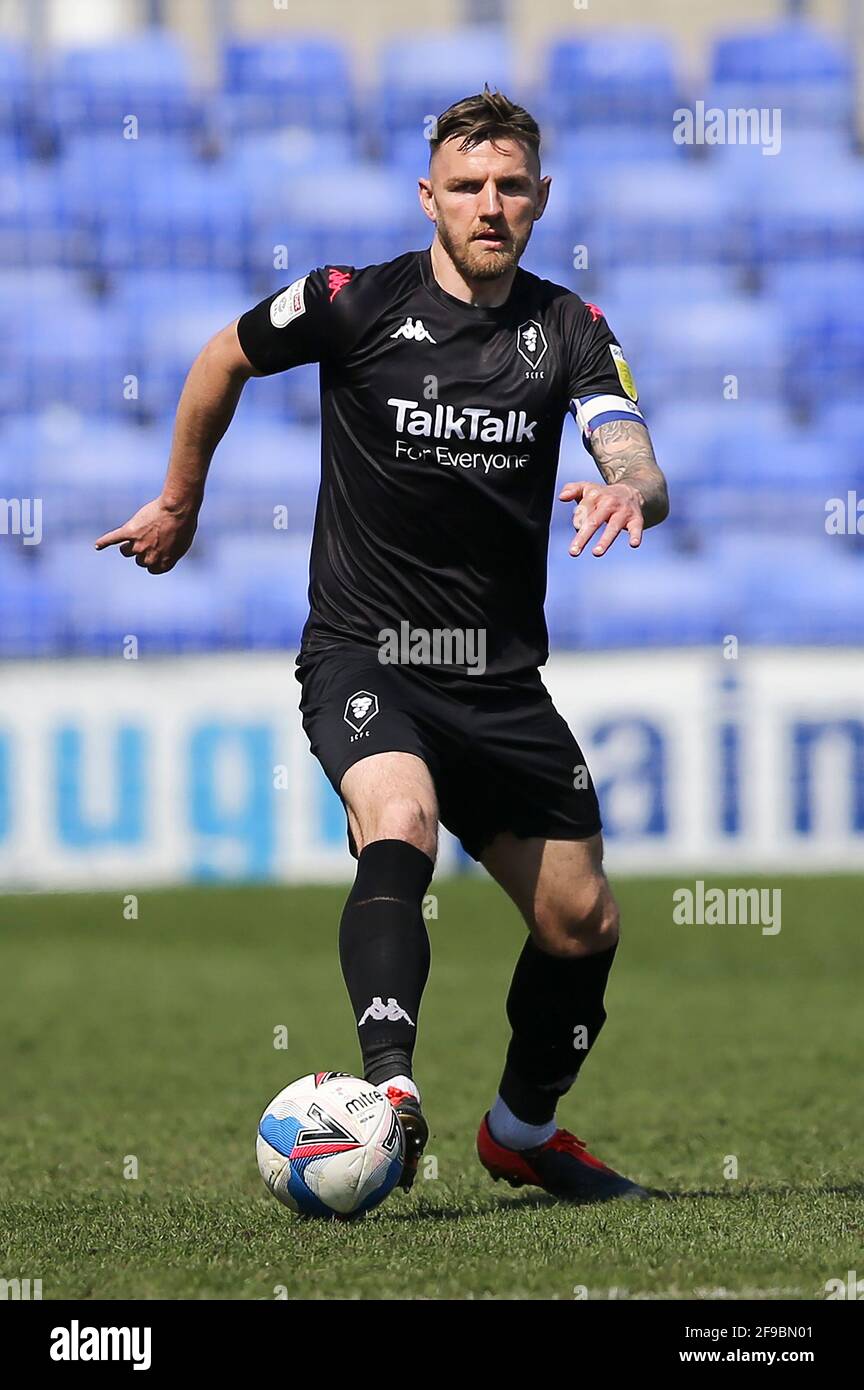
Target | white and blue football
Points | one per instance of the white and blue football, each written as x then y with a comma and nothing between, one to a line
330,1145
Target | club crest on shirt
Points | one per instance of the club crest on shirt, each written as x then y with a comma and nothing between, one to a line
531,343
360,708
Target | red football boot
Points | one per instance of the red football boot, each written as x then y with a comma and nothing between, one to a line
562,1166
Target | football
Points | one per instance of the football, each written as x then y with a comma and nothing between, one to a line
330,1145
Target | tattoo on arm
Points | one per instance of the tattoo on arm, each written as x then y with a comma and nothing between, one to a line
623,454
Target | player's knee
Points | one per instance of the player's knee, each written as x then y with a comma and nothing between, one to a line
407,818
587,922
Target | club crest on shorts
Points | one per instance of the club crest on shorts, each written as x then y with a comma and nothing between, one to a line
360,708
531,342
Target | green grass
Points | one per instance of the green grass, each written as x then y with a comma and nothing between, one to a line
154,1038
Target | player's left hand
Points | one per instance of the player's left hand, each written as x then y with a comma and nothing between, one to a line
619,505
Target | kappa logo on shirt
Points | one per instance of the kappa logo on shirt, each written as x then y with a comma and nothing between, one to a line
414,330
336,281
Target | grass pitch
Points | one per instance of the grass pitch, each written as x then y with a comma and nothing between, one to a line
148,1046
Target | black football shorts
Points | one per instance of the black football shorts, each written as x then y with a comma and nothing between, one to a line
500,754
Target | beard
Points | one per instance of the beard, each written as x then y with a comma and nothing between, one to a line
476,261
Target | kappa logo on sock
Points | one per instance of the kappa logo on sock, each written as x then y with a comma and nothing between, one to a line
378,1011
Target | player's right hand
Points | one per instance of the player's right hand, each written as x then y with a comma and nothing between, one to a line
157,536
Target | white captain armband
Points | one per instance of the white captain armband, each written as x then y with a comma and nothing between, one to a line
591,411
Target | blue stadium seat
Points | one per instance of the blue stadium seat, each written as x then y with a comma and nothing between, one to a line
732,465
697,348
421,74
804,70
94,472
656,289
624,598
295,393
14,86
31,622
610,78
752,171
128,170
590,151
303,80
260,466
665,213
168,334
264,165
106,597
97,87
809,592
83,366
358,215
822,308
268,575
691,437
842,422
37,226
190,218
800,218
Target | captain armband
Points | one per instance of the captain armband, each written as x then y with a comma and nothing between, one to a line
591,411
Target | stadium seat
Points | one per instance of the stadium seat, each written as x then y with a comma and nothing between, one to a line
810,593
295,393
191,219
359,215
86,366
682,214
128,170
38,228
731,467
806,219
842,422
421,74
31,619
264,472
265,164
269,577
302,81
107,598
92,472
610,78
98,87
167,334
14,87
654,289
796,66
697,349
821,304
624,599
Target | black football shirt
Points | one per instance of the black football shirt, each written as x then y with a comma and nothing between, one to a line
441,427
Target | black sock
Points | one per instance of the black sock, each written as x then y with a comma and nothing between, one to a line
384,951
550,997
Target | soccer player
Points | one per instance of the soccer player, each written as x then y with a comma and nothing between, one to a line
446,375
